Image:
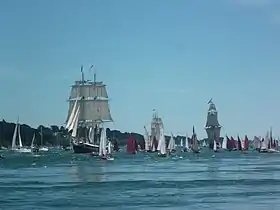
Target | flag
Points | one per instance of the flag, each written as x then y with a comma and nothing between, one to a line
210,101
82,68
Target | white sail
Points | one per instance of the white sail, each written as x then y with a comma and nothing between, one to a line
72,115
102,143
91,134
215,145
19,137
257,142
14,146
171,144
204,143
161,143
224,144
181,143
109,147
32,142
147,139
76,121
187,142
264,144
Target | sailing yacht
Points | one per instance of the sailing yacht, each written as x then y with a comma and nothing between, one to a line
257,143
87,114
171,145
42,148
15,147
148,143
161,144
195,147
187,146
103,153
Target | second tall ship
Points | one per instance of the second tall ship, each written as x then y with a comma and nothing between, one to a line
88,114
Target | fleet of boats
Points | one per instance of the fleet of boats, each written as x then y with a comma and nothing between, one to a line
89,114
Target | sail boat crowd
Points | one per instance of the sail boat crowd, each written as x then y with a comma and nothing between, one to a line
89,114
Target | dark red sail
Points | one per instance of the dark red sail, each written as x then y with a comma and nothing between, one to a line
239,146
246,143
130,145
233,143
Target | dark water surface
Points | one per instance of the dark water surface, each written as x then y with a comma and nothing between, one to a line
230,180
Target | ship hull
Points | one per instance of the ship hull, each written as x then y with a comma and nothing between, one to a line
85,148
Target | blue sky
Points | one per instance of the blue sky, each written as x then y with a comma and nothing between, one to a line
169,55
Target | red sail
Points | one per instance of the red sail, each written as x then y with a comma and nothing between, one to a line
229,145
246,143
130,145
239,146
233,143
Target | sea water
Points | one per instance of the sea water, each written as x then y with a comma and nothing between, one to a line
62,180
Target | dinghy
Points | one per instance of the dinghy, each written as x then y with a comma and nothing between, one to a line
161,144
194,147
18,148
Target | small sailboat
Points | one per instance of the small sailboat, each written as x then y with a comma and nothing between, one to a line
215,146
271,145
194,146
225,143
239,144
102,147
233,144
131,145
42,148
187,146
161,144
204,143
246,143
147,140
15,147
257,143
171,145
264,144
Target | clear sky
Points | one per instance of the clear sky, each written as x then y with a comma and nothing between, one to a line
172,55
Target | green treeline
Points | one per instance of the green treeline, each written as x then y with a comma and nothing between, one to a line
55,135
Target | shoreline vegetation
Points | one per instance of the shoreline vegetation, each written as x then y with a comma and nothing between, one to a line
58,136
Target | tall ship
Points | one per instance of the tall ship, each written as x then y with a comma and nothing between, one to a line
156,125
88,114
212,127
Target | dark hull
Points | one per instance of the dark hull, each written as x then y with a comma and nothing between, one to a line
85,148
162,155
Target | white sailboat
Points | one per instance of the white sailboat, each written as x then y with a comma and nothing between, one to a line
215,146
15,147
161,144
204,143
187,146
42,148
147,139
224,144
102,146
181,143
264,144
109,148
171,145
